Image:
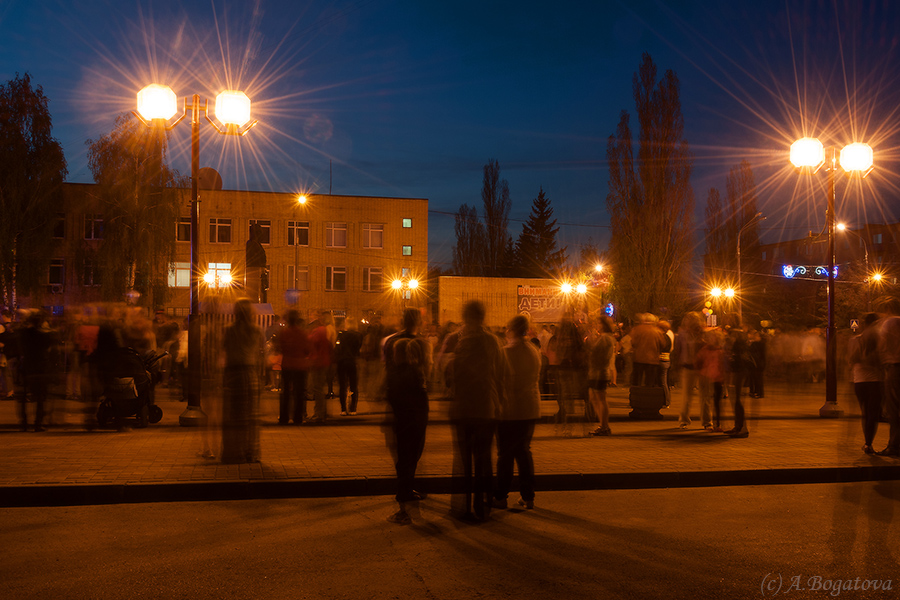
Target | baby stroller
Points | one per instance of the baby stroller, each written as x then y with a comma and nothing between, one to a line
129,391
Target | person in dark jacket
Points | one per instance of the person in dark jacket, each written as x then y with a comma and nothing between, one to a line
35,341
346,352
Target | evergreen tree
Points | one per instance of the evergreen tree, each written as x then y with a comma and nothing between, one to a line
32,171
536,251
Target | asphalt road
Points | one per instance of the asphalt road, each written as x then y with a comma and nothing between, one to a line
727,542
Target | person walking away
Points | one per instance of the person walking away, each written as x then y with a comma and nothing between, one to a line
709,364
294,347
647,344
479,369
739,364
346,352
665,358
407,395
244,348
570,354
688,341
35,342
889,355
601,354
868,378
520,412
321,348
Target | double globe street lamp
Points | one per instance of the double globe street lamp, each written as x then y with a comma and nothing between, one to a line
156,105
856,159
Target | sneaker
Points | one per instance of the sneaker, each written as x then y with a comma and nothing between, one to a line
682,426
400,518
343,413
527,504
499,503
601,431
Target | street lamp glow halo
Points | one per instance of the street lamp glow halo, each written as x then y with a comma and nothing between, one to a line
233,108
581,288
396,284
807,152
225,278
729,293
715,292
209,278
566,288
413,284
157,101
857,158
301,199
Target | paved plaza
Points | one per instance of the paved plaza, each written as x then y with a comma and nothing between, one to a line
789,443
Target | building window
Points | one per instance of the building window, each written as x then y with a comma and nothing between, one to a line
407,250
57,273
220,231
302,278
336,279
404,272
266,233
180,275
93,226
90,273
407,223
373,279
336,235
764,255
876,238
59,226
298,230
183,229
218,275
373,235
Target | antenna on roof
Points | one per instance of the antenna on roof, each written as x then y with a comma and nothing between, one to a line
330,177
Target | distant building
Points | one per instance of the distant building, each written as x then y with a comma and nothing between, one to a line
341,253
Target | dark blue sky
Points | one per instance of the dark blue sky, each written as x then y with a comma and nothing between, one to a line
411,98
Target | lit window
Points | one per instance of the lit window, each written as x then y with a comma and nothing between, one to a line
373,279
180,275
407,223
336,235
59,226
298,230
266,233
183,229
93,226
407,250
218,275
220,231
336,279
373,235
302,278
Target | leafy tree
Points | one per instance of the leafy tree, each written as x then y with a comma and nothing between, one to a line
471,242
495,198
716,258
139,203
650,200
536,249
32,171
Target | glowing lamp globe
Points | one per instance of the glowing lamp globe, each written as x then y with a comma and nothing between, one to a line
807,152
225,278
715,292
876,277
581,288
301,199
566,288
233,108
729,293
413,284
396,284
157,102
209,278
857,157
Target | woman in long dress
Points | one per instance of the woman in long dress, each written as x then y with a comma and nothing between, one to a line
243,366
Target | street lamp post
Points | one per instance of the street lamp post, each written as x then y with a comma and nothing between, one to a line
156,104
740,288
854,158
301,200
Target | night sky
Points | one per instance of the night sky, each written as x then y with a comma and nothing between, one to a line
411,98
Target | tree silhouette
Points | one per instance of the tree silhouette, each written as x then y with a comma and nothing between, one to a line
536,251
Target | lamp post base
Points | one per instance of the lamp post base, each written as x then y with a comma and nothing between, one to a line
830,410
193,416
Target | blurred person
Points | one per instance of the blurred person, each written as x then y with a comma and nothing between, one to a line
7,343
601,361
272,331
709,364
626,349
407,396
757,369
521,410
321,349
370,353
889,355
294,346
571,356
35,341
688,341
478,372
647,344
346,352
665,358
113,360
868,378
739,364
243,345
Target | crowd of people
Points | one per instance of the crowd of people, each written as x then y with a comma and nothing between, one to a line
494,378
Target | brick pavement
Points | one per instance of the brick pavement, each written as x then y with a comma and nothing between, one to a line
789,443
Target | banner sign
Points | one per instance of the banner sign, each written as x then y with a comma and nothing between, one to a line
807,272
540,304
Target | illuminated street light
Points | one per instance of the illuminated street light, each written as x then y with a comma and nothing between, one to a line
729,292
566,288
715,292
598,267
396,284
856,159
413,284
156,104
876,277
301,201
581,288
